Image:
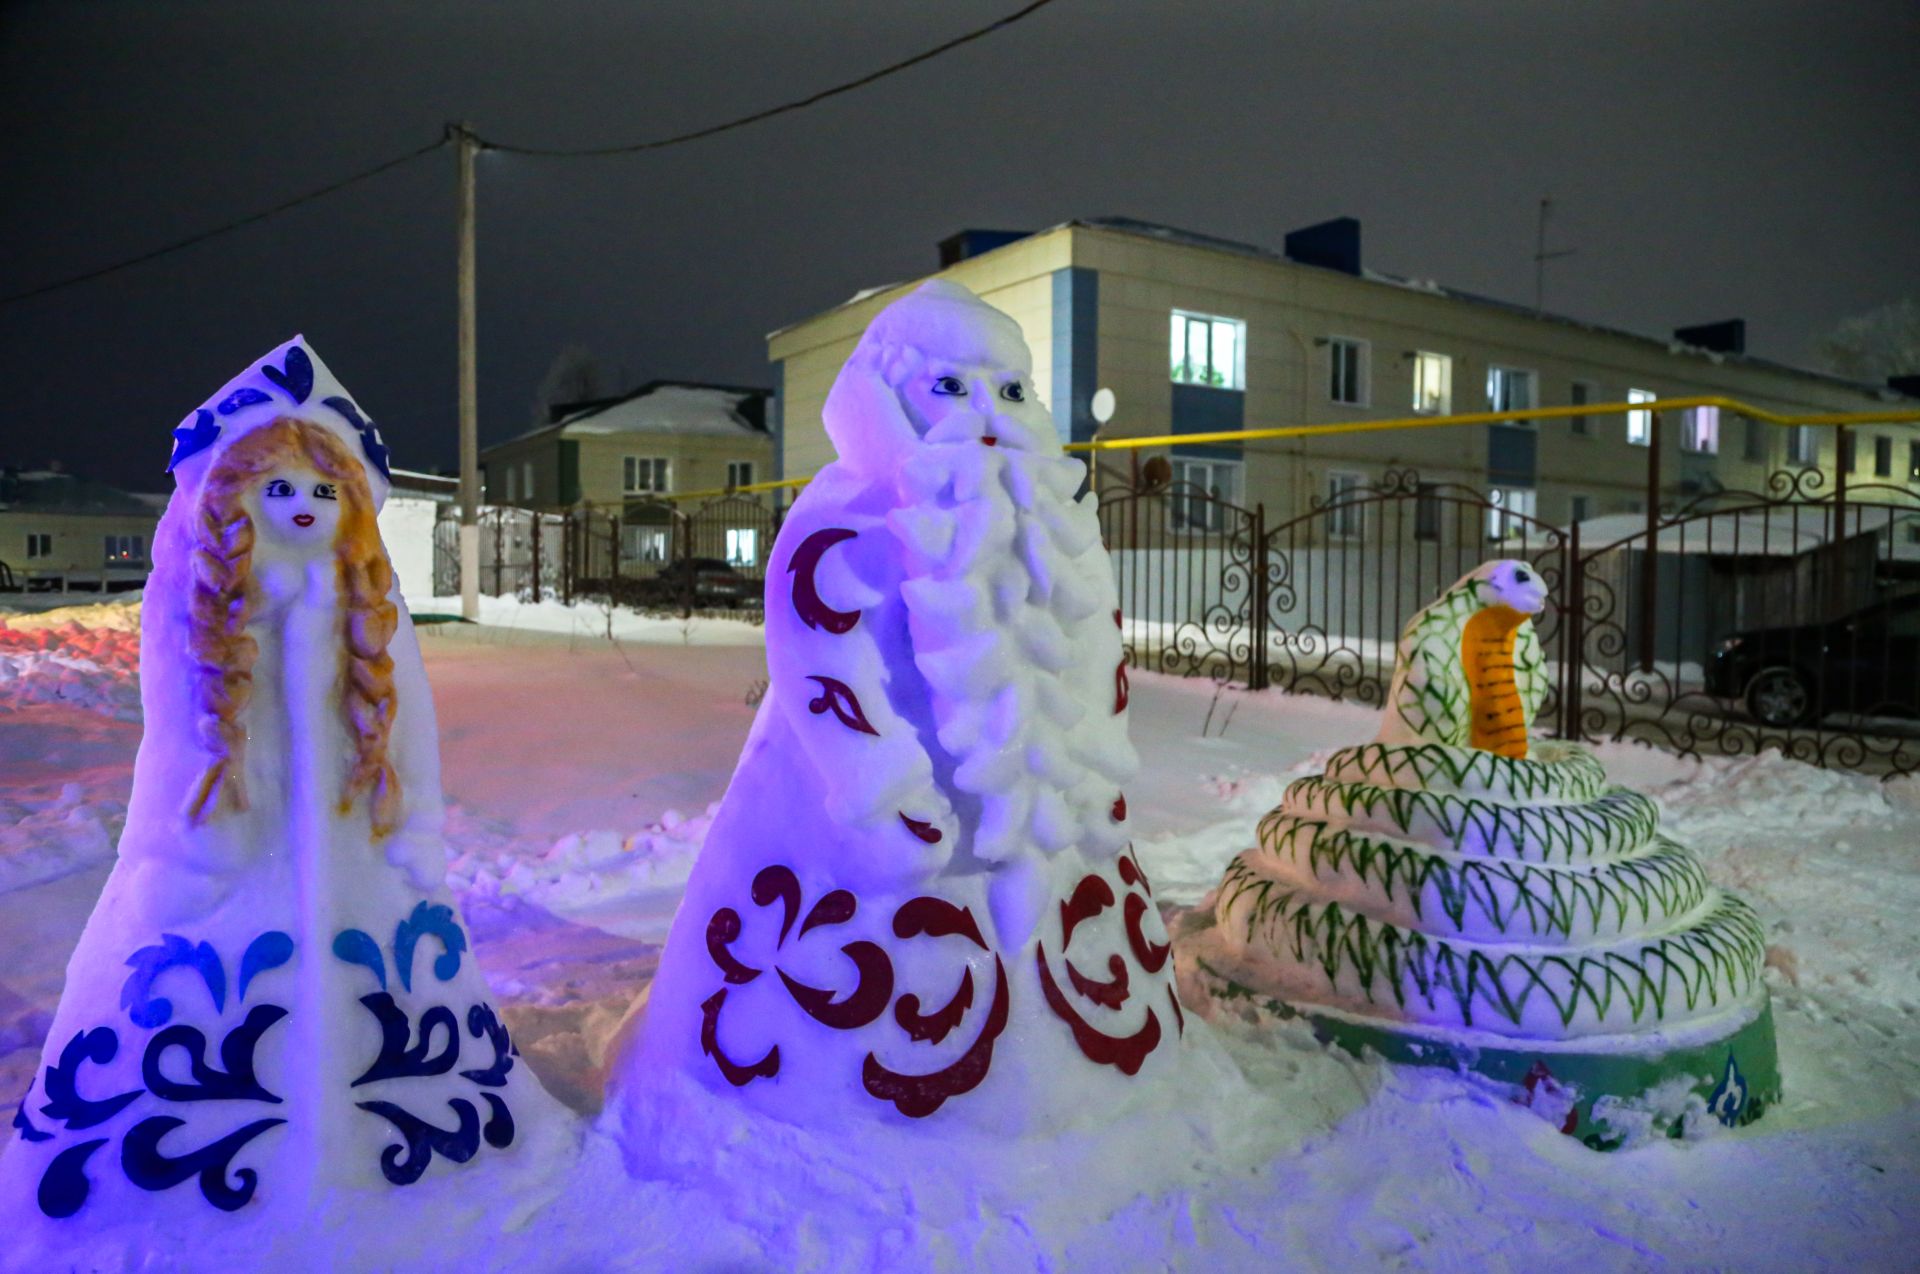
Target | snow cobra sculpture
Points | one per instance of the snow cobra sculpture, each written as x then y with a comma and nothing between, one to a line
1455,894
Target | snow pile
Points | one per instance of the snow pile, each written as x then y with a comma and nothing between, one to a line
42,839
590,620
584,871
86,656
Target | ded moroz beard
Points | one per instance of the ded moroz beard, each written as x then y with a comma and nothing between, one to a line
1004,590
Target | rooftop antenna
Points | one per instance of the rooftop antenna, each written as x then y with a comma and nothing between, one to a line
1541,256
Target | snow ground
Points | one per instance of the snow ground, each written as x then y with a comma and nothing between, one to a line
580,774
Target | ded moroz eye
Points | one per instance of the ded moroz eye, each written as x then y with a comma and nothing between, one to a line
950,386
279,487
1012,392
324,491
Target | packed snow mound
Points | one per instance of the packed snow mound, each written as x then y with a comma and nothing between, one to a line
42,840
590,868
85,656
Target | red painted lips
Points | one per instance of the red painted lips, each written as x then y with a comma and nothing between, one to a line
303,519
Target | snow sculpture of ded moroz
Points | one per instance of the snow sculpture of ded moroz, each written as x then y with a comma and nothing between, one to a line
275,999
918,900
1457,894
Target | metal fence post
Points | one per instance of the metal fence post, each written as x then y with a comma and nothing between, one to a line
499,548
1572,636
1257,678
1839,595
613,561
537,563
1649,560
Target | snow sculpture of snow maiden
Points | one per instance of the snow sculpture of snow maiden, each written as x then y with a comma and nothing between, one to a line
274,999
917,904
1456,894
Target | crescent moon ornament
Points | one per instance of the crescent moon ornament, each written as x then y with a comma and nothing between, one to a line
813,612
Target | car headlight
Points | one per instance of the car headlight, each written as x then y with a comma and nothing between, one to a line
1730,644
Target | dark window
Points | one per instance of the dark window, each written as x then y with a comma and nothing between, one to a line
1883,457
1581,396
1756,439
1426,513
1847,449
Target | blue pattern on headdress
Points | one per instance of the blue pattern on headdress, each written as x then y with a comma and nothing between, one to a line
370,439
194,438
244,397
297,377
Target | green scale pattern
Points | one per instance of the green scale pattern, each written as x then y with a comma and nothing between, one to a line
1572,775
1614,825
1624,896
1713,963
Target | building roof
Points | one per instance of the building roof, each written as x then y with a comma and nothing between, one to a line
665,407
1192,239
45,491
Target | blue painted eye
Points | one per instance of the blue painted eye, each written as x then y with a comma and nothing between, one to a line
324,491
279,487
950,386
1012,392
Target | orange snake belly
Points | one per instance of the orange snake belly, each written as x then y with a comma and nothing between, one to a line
1499,718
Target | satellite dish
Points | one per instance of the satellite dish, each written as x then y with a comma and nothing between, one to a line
1102,405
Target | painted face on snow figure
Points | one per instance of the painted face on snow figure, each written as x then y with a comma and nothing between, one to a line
973,402
297,509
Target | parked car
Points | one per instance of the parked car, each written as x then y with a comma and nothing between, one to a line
1867,661
714,583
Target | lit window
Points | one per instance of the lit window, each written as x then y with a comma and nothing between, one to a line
1581,393
1209,350
646,475
743,545
643,543
1511,509
123,549
1510,389
1913,462
1347,370
1640,421
1432,384
1702,435
1343,509
1803,445
1198,493
739,474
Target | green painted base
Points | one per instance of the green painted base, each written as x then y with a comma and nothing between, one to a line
1736,1075
434,617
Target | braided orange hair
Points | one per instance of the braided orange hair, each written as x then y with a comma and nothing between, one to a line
222,603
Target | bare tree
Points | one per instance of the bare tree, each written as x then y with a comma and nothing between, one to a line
1875,345
575,375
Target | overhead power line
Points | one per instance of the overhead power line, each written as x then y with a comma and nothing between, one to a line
188,242
782,109
510,148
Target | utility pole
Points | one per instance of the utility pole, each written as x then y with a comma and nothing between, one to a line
468,147
1541,256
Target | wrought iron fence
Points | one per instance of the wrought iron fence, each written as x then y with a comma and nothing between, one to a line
646,553
1739,621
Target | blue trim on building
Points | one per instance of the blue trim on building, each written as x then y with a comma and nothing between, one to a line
1076,340
1202,409
777,421
1512,455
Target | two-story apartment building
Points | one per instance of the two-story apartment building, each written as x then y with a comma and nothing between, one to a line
662,438
1193,334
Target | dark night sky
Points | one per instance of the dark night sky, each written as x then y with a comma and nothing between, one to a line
1709,159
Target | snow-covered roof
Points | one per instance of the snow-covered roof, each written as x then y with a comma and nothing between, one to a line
667,407
1774,532
1189,238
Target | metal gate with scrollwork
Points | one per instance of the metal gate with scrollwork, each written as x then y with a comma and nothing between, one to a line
1737,622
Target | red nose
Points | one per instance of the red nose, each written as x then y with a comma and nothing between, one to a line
303,519
990,440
